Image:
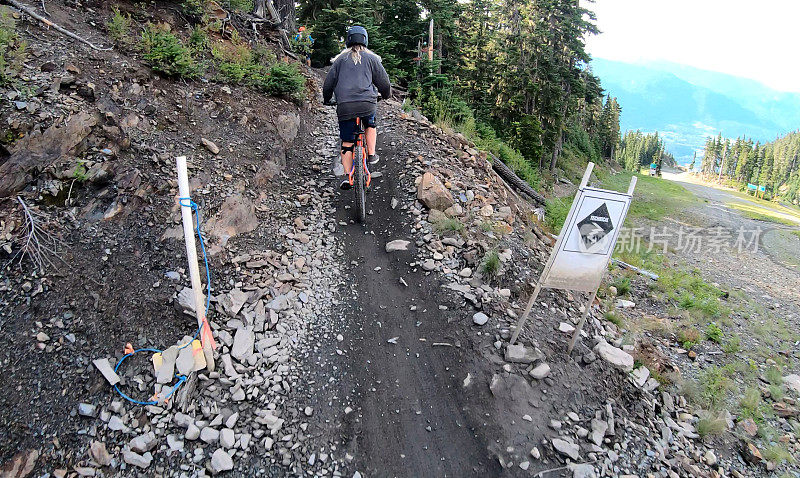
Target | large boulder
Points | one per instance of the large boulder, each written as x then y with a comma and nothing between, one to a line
432,193
236,216
37,151
288,124
616,357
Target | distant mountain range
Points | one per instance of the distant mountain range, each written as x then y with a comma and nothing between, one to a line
686,104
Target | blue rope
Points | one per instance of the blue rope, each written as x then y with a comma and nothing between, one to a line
181,378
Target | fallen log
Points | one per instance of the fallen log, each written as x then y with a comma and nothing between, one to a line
509,176
635,269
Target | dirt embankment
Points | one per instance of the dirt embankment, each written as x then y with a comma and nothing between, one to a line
337,354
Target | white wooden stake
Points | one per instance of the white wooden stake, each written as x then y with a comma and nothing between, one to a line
191,254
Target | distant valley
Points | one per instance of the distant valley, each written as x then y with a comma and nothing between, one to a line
686,104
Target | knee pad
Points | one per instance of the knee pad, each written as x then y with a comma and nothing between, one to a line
370,122
347,149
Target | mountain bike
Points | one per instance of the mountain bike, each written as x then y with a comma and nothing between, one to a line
359,176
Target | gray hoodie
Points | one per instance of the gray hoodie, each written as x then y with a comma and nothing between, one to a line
356,86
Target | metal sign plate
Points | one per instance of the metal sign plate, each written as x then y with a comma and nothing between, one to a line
587,240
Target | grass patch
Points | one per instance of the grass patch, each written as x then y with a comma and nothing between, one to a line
490,266
732,345
556,210
688,337
751,405
775,379
715,385
119,27
166,54
796,233
685,289
623,285
448,224
12,48
653,198
762,214
613,318
711,425
777,453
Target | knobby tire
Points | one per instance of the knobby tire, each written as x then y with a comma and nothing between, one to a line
361,205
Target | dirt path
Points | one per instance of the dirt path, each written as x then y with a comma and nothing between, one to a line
409,415
778,254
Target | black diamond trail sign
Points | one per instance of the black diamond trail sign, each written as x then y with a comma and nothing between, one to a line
595,226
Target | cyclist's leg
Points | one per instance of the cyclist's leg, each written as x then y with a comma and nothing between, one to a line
347,156
371,132
347,135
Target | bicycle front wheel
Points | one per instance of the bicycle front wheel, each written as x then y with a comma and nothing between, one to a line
360,183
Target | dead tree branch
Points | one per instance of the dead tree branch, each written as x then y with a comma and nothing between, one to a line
38,243
62,30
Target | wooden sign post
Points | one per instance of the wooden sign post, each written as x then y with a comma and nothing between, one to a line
584,247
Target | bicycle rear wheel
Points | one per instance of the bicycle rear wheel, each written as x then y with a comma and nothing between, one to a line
361,200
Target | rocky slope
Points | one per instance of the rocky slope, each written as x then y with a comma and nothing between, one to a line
345,349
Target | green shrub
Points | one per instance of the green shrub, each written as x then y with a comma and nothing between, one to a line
119,26
283,79
198,39
194,7
80,172
490,265
241,5
235,62
12,49
714,333
555,213
165,53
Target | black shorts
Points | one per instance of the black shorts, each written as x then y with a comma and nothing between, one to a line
347,128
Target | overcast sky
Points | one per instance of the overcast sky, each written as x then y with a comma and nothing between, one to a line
748,38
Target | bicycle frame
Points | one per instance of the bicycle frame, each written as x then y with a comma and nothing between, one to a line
360,142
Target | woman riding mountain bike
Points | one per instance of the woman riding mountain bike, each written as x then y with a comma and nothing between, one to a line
356,78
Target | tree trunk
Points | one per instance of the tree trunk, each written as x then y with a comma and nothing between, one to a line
439,51
260,8
287,13
560,130
557,146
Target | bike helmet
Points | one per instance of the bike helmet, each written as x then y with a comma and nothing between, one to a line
357,35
